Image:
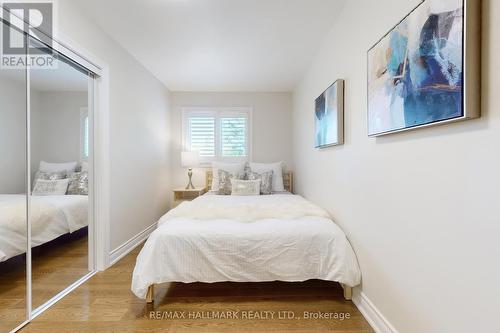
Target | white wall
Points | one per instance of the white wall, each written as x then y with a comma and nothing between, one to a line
271,127
139,130
12,133
420,207
55,126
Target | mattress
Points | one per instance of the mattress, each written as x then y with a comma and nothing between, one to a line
51,217
245,239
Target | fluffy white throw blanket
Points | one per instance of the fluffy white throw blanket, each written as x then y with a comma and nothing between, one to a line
246,209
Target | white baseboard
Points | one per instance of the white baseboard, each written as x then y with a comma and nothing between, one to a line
124,249
374,317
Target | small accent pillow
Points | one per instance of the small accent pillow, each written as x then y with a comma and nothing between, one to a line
78,183
266,180
51,187
245,187
225,178
49,176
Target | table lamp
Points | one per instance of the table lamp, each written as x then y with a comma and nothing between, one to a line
190,159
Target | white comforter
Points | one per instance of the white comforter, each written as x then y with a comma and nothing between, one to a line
245,239
51,217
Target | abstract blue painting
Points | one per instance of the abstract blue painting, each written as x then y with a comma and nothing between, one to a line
415,72
329,116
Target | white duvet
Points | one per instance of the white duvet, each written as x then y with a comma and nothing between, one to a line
245,239
51,217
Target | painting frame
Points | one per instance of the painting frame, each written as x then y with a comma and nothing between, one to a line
471,68
339,87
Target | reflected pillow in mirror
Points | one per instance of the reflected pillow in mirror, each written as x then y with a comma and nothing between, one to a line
57,167
51,187
49,176
78,183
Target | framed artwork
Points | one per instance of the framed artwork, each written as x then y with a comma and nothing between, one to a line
425,71
329,116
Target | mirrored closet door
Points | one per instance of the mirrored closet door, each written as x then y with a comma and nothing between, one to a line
13,195
46,170
59,170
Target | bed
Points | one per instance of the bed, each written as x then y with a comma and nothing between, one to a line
51,216
215,238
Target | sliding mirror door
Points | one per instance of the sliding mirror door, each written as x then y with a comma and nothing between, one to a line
13,197
59,214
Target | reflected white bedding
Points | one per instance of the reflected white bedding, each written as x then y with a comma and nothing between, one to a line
245,239
51,217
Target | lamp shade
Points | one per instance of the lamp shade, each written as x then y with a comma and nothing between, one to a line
190,159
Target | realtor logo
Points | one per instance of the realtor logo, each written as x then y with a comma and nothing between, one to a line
21,20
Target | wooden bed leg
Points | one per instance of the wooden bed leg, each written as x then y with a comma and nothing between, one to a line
347,292
150,296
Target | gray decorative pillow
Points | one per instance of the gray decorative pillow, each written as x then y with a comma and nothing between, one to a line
225,185
78,183
266,180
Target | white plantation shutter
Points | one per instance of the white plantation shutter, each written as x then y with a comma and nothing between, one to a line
219,134
233,136
202,135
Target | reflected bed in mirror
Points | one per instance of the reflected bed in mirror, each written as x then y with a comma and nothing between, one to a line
59,211
44,189
13,199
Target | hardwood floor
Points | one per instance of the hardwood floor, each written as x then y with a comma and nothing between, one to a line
54,266
106,304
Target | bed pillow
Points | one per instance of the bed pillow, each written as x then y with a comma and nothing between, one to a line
51,187
57,167
225,181
266,180
236,168
276,168
48,176
78,183
245,187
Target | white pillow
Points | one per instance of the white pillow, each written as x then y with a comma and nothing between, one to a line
235,168
245,187
57,167
51,187
277,169
85,166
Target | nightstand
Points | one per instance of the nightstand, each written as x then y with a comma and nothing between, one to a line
181,195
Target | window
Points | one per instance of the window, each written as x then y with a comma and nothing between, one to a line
218,133
202,135
84,134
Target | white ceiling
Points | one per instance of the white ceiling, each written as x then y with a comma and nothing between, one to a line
219,45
